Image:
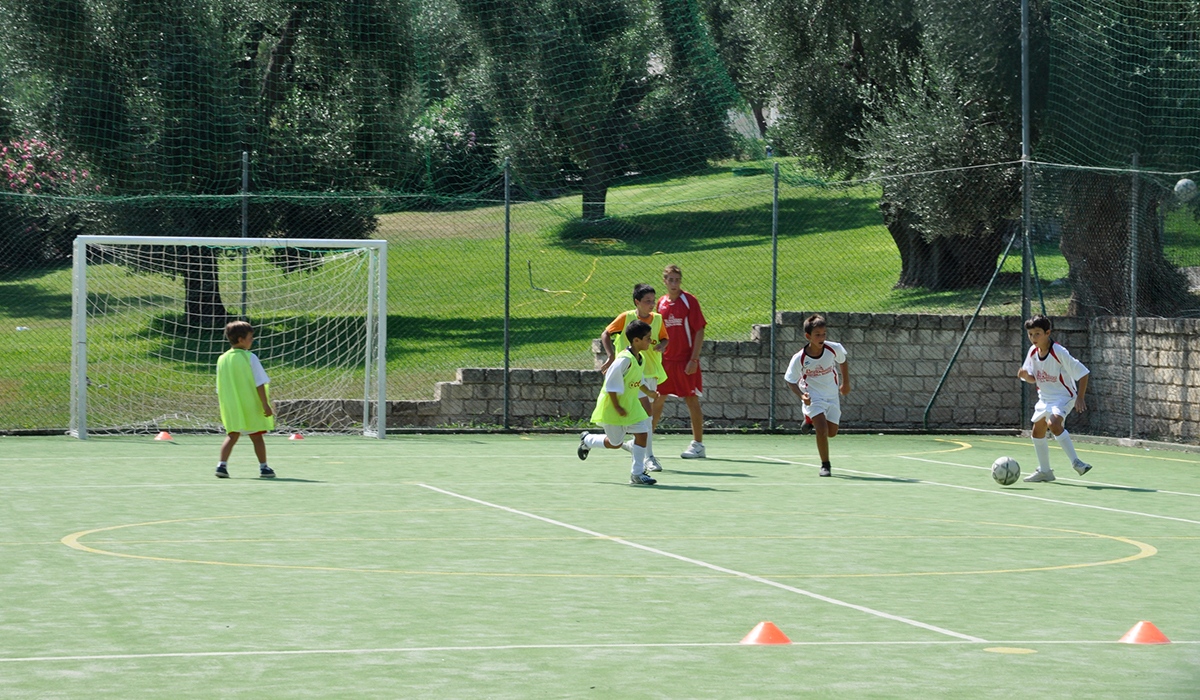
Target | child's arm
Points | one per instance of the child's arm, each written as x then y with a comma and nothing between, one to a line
795,387
1026,377
607,343
1080,402
845,388
650,392
616,401
262,396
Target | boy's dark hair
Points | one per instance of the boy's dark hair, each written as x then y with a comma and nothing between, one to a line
640,290
1038,322
637,329
813,322
236,330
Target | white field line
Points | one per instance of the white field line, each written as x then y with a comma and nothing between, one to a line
996,492
1061,478
713,567
517,647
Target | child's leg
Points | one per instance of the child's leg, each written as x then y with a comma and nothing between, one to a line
639,453
1066,443
821,425
646,404
1041,445
227,446
260,448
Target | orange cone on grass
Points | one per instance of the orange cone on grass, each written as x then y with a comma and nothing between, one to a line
766,633
164,435
1144,633
296,436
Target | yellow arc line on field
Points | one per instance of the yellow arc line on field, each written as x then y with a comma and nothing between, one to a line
1022,443
73,541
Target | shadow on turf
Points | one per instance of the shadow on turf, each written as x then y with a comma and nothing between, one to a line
284,478
690,473
1096,487
897,480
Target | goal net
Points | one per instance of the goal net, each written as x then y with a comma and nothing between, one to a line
148,321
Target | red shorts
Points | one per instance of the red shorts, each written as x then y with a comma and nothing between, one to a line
680,383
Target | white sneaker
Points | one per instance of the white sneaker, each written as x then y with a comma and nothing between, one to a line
642,480
1081,467
694,451
1040,475
652,464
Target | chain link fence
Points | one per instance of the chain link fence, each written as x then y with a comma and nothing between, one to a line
1108,253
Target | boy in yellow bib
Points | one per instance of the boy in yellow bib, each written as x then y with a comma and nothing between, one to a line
243,392
618,409
652,367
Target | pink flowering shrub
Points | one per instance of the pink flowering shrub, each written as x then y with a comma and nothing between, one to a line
36,224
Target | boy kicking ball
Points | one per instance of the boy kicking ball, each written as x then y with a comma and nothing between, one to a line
1062,382
819,375
618,409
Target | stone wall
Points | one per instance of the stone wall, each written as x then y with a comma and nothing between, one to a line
896,361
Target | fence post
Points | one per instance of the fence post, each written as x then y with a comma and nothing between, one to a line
1026,195
1133,300
774,288
507,285
245,223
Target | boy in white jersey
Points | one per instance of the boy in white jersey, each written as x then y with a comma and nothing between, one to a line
618,409
1062,382
819,375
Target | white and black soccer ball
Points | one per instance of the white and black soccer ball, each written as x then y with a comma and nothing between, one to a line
1006,471
1185,189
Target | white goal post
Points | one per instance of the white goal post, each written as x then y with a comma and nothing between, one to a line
148,315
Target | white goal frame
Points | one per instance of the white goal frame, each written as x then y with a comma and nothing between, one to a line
374,361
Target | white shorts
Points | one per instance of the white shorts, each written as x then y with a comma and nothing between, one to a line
616,433
647,381
831,407
1054,408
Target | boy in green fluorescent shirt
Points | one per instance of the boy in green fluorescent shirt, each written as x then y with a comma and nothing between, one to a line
618,409
243,392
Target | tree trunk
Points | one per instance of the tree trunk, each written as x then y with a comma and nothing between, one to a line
595,189
204,307
1096,244
944,263
759,118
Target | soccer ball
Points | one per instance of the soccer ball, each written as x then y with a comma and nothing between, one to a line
1185,189
1006,471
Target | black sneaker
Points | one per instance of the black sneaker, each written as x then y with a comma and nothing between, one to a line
807,427
825,470
266,473
222,473
583,448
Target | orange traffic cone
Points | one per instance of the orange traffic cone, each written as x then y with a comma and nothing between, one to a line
295,436
1144,633
766,633
164,435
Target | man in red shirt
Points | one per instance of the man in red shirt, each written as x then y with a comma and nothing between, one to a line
684,323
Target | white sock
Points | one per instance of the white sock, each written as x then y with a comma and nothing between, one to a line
1067,445
262,465
649,444
594,440
627,445
1042,447
639,459
222,464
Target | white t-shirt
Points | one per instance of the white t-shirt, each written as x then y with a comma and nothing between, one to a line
260,374
614,378
1056,375
817,376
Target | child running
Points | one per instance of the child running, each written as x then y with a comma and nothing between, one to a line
813,375
1062,382
652,367
618,409
243,392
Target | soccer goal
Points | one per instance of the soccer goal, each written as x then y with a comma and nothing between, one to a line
148,319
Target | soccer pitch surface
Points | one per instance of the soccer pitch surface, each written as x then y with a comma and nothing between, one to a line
501,566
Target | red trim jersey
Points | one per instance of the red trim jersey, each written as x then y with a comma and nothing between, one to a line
817,376
1056,373
682,319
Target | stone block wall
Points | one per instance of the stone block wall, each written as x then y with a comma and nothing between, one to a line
896,362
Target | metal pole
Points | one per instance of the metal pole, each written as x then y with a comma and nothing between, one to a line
79,340
774,288
245,221
381,338
1026,195
507,280
1133,300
